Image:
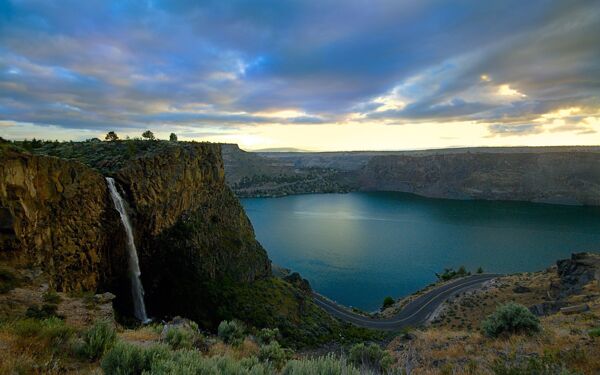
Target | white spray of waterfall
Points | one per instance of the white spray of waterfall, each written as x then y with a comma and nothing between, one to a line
137,290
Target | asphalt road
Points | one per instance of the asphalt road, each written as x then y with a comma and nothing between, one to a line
413,314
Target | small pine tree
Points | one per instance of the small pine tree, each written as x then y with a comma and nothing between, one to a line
148,135
173,137
111,136
480,270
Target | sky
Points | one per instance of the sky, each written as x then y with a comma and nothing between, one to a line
309,74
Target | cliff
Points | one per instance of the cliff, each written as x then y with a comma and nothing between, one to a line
57,215
189,228
553,177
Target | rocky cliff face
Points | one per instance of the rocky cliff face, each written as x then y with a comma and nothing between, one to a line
189,228
557,177
57,214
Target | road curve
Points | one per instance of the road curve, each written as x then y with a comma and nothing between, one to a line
413,314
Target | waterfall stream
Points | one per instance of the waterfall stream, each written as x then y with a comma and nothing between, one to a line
137,289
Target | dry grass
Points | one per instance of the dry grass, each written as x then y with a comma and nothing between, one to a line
247,348
144,335
564,340
467,310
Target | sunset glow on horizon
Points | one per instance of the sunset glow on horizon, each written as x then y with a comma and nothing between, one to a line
312,75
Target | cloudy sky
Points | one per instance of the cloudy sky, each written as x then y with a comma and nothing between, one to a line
310,74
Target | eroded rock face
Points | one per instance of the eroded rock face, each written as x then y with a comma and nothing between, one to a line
578,271
190,228
56,214
556,177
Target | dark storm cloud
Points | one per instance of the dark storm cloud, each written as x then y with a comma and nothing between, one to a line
86,64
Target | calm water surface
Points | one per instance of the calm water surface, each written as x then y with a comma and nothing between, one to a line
358,248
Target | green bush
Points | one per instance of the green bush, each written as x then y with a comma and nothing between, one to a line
450,273
180,338
322,365
128,359
267,335
51,298
47,311
53,329
387,302
370,356
184,362
97,340
594,332
231,332
274,353
510,318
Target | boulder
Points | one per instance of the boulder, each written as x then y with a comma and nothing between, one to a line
575,309
578,271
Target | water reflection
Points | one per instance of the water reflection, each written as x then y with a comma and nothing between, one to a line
359,247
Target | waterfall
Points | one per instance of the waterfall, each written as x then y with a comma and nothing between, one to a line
137,289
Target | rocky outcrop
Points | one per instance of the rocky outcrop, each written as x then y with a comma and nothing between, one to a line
57,215
552,177
577,272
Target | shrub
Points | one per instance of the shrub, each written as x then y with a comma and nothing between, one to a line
54,330
180,338
97,340
387,302
370,356
51,297
274,353
184,362
594,332
45,312
231,332
510,318
322,365
173,137
479,270
128,359
267,335
450,273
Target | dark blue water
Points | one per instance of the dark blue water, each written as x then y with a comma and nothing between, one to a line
358,248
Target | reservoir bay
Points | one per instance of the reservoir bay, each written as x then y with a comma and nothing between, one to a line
359,247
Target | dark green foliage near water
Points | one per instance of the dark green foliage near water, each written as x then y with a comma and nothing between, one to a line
387,302
450,273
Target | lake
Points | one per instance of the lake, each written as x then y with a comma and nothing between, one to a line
358,248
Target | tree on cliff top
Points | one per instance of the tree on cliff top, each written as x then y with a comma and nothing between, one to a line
173,137
111,136
148,135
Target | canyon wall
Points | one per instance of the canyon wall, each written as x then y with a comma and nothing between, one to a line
553,177
189,228
57,215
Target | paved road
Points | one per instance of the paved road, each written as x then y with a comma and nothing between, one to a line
413,314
